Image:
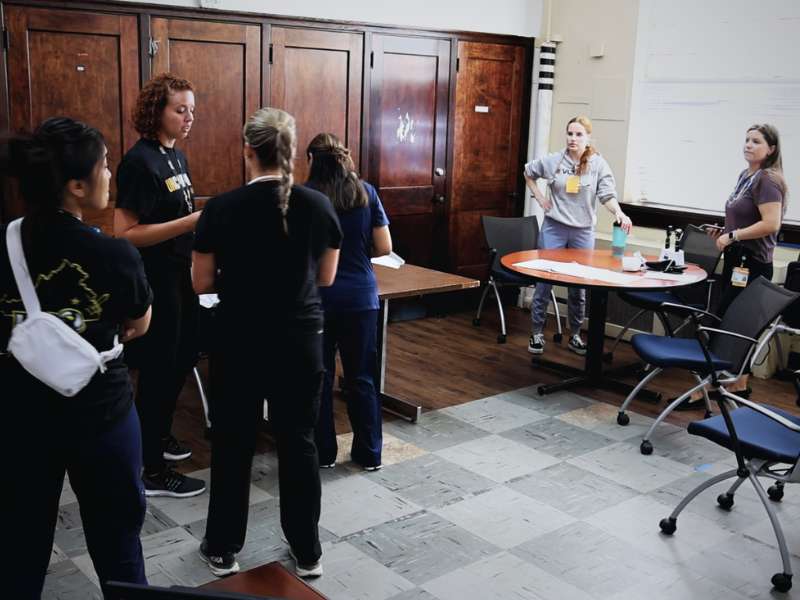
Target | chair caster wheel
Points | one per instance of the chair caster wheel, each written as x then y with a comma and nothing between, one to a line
646,447
668,525
775,493
782,582
476,322
623,419
725,501
557,337
501,339
608,357
540,390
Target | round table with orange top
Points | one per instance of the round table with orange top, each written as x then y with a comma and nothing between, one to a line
593,373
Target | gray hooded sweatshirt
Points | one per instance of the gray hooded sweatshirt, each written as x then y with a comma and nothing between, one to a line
575,210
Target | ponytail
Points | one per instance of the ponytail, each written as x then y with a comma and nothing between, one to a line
272,134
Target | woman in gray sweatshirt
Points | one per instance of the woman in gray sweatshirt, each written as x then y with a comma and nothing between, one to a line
577,177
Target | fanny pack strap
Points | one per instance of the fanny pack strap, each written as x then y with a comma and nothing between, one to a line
16,256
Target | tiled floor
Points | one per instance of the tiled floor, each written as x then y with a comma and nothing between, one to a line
509,497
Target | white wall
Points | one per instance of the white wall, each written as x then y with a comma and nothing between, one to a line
510,17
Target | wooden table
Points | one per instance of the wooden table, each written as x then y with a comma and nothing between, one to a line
405,282
592,374
272,580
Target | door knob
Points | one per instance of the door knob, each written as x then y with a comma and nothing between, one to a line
439,171
439,198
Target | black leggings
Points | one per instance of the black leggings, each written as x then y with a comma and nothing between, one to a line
733,258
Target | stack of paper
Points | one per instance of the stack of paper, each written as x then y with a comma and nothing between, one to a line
390,260
578,270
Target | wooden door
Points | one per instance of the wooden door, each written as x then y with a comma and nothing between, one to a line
223,62
76,64
317,76
486,159
409,97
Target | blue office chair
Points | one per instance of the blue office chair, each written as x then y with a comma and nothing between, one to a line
766,442
716,355
698,248
504,236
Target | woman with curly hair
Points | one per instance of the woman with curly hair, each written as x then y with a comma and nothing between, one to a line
155,212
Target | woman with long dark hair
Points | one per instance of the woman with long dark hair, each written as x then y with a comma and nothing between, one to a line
351,303
265,248
97,286
155,212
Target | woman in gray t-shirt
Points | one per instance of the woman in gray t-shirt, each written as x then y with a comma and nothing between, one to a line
577,177
753,215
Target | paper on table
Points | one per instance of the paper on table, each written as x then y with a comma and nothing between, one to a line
391,260
669,276
578,270
209,300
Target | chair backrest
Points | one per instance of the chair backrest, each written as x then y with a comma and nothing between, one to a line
751,312
700,248
510,234
791,316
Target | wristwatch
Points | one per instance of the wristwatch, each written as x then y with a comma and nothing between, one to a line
732,236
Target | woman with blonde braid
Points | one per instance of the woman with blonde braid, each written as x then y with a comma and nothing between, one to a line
265,248
577,177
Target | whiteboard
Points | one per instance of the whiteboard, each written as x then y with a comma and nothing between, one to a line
703,73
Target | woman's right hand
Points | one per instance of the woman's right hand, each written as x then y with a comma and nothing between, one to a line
545,202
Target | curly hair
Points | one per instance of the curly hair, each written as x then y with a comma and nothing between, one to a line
153,99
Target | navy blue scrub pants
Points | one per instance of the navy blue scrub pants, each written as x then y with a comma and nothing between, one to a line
354,335
104,470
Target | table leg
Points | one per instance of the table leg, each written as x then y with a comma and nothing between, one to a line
592,374
391,404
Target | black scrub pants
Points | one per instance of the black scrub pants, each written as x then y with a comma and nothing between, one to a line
165,355
286,369
733,258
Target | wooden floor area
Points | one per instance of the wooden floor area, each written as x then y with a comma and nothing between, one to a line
446,361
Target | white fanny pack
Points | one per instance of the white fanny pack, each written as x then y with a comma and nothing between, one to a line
43,344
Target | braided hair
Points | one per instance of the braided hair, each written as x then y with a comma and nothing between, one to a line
333,173
272,134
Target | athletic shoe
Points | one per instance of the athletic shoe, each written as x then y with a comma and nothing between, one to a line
172,484
576,345
328,466
313,570
221,565
373,468
174,450
536,343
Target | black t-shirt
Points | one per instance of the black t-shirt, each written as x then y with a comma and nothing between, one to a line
157,193
264,276
93,283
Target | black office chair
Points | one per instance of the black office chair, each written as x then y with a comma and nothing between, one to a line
505,235
720,358
698,248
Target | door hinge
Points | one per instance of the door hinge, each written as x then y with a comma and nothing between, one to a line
372,59
5,39
152,47
458,63
270,54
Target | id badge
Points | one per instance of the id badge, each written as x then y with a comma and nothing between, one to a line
573,184
739,276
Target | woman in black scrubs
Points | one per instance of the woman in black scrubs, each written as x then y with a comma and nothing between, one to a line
265,248
155,212
97,286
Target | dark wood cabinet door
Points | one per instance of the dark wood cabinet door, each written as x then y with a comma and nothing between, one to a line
486,146
409,98
76,64
317,76
223,62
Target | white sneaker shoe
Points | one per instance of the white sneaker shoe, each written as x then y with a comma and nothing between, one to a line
314,570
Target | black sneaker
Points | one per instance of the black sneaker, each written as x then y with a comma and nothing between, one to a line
576,345
536,343
174,450
173,484
222,565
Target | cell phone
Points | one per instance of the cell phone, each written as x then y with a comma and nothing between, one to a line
710,226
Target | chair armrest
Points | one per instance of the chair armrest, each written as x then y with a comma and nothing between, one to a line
763,410
690,309
725,332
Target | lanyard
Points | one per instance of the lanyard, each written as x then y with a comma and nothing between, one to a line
742,186
180,178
